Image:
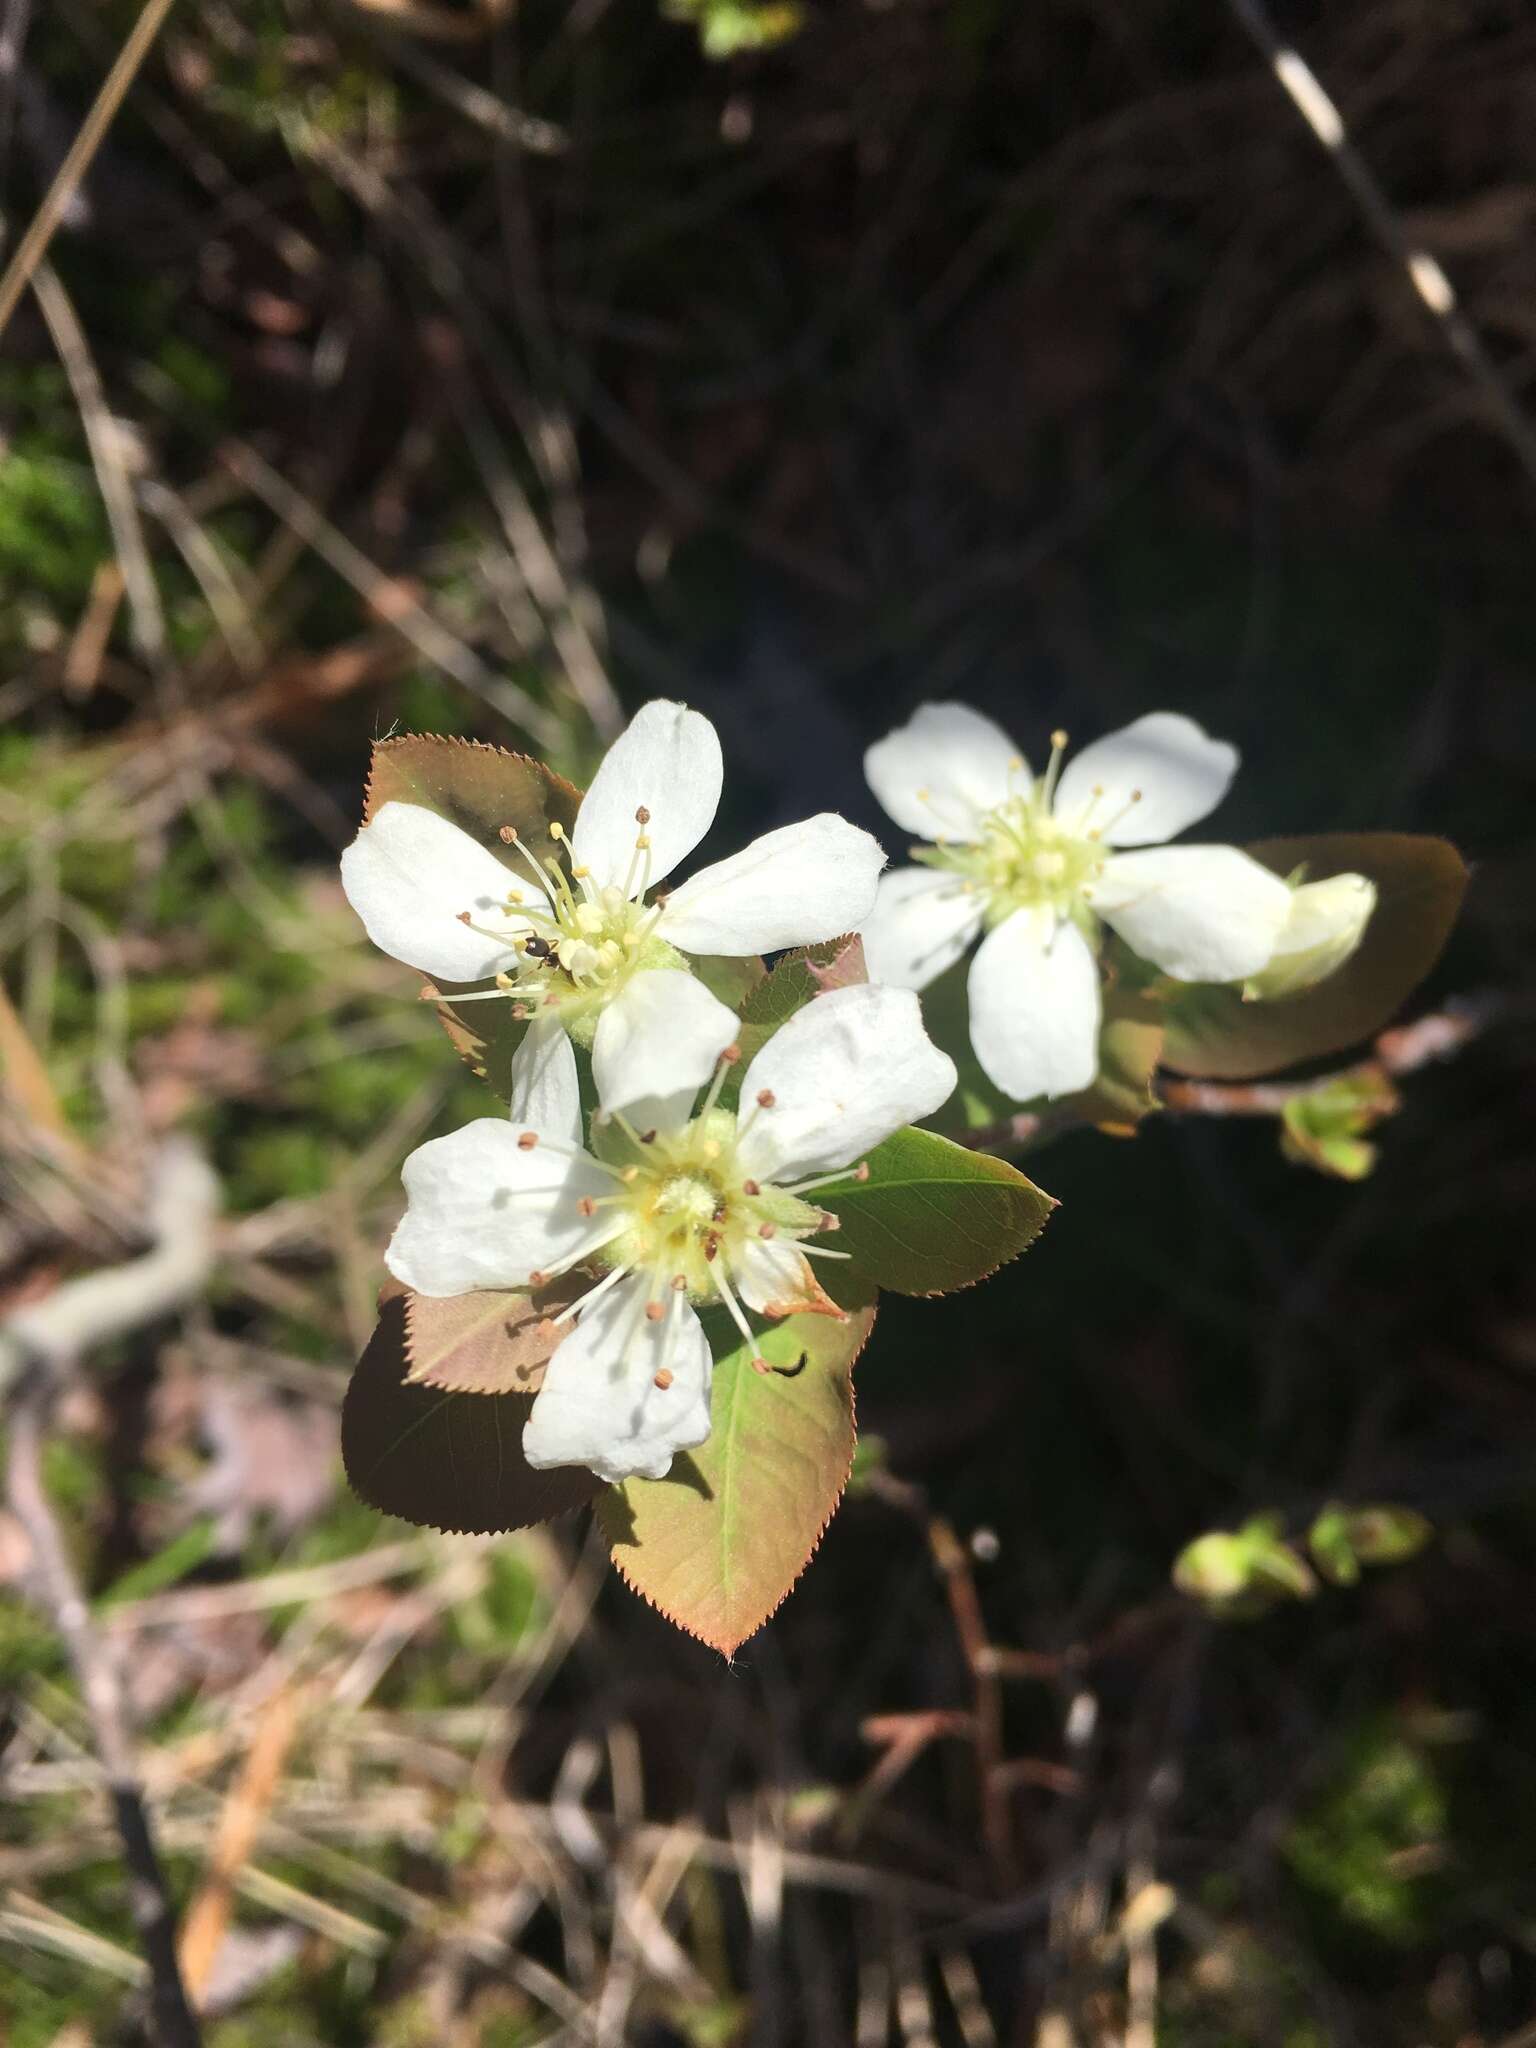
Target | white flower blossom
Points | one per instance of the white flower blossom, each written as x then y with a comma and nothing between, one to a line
679,1208
1323,927
1032,864
580,949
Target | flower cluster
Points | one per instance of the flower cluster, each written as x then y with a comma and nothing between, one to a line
691,1189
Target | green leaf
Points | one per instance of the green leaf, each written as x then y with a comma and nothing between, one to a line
795,980
1213,1034
1324,1127
1333,1553
718,1543
730,981
440,1459
1387,1535
933,1216
478,788
1240,1573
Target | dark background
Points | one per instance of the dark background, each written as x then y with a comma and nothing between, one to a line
1037,357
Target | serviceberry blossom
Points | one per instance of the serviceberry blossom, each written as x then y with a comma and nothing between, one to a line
674,1206
580,947
1032,864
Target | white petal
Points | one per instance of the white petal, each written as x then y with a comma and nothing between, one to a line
938,774
774,1277
483,1212
656,1045
409,873
843,1073
1181,772
921,923
600,1405
1200,913
545,1094
667,761
1034,996
1323,928
815,880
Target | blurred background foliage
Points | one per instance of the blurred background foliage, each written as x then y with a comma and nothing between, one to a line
461,367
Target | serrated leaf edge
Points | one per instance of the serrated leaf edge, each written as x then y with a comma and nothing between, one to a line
728,1650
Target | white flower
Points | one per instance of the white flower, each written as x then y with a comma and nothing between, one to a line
1034,863
678,1208
1324,926
580,948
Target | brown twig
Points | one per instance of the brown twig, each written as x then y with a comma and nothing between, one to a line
1402,1050
33,245
38,1345
106,1706
1427,279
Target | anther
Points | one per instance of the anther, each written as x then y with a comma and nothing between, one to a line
428,992
508,835
679,1283
629,1174
654,1311
642,816
730,1056
464,917
556,829
830,1220
766,1098
505,980
751,1187
648,1137
586,1206
760,1364
663,1379
768,1230
643,842
712,1246
1058,739
861,1171
538,1278
527,1140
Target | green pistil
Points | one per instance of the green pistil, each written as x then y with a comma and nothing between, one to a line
690,1210
1023,860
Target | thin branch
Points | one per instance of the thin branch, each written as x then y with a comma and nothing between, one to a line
95,1665
1402,1050
41,1342
393,603
33,245
1425,275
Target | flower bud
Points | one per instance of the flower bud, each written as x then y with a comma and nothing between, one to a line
1326,923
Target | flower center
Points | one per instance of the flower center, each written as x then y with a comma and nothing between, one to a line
1024,857
578,941
690,1211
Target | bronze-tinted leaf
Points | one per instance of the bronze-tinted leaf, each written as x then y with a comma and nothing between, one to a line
445,1460
485,1343
718,1543
480,789
1213,1034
